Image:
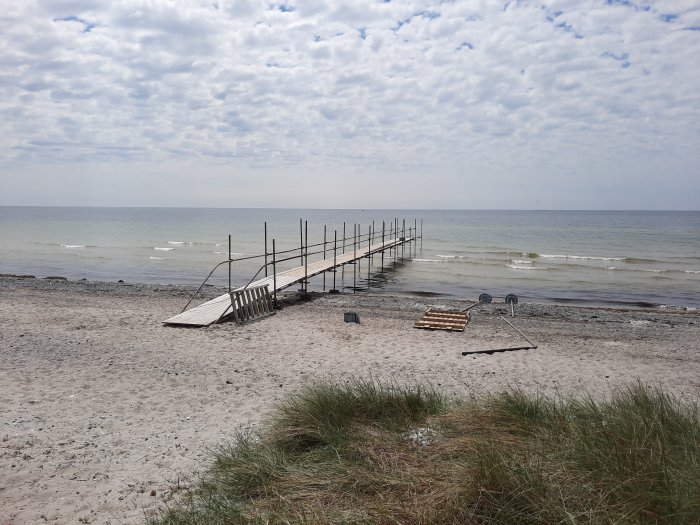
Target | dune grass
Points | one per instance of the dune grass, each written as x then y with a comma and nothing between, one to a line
364,452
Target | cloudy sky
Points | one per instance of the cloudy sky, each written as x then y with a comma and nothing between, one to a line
562,104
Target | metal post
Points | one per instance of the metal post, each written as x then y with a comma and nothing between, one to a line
265,249
354,256
229,265
324,255
274,273
301,242
335,256
342,272
369,257
383,226
403,234
359,245
396,237
306,259
415,234
421,235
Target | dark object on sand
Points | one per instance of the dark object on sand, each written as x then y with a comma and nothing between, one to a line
352,317
512,299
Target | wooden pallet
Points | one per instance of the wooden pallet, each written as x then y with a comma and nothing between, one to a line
250,303
450,320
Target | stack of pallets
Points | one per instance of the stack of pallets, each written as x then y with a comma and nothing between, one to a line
451,320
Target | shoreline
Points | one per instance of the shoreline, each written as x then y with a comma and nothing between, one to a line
102,406
633,306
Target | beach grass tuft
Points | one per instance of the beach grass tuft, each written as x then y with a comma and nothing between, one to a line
366,452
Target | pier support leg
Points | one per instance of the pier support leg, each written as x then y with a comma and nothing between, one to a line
335,259
274,274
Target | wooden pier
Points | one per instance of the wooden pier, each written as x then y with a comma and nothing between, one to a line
247,301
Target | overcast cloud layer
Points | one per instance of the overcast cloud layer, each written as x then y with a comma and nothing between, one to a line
466,104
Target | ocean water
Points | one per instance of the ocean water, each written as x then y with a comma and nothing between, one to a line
617,258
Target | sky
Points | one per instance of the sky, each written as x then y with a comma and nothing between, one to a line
562,104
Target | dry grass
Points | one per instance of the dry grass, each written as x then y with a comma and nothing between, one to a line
369,453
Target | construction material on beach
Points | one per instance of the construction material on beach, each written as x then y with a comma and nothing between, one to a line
449,320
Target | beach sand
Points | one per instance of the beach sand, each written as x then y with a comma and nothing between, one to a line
104,411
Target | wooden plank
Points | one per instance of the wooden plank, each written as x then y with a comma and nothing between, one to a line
436,319
445,316
234,306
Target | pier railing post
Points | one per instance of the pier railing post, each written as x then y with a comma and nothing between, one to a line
396,238
229,265
301,242
274,273
383,226
266,249
335,259
421,235
354,258
403,235
415,234
306,259
359,245
324,255
369,256
342,272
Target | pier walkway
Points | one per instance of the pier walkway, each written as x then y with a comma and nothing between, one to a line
219,308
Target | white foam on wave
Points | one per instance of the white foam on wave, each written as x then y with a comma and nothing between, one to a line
177,242
72,246
675,307
447,256
429,260
691,271
158,258
581,257
226,253
162,249
525,267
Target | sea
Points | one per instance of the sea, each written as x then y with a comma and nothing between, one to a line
635,259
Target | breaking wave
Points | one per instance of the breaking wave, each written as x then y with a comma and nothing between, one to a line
581,257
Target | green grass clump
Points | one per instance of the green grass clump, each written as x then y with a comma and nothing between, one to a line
357,453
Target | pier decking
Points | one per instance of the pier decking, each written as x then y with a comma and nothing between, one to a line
212,311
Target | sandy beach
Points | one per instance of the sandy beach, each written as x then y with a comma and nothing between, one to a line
104,411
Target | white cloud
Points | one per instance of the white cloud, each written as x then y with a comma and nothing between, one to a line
476,97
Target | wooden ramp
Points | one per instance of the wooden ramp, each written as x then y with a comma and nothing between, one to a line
214,310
